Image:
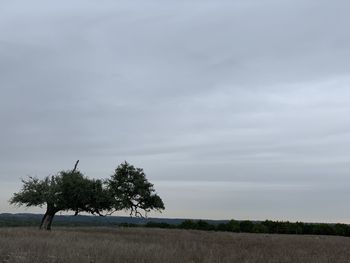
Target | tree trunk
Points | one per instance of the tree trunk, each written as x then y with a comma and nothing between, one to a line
43,220
47,218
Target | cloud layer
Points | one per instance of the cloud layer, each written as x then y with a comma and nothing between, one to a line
211,95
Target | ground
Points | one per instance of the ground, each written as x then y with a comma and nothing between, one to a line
163,245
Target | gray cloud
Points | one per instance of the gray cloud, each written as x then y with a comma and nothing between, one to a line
193,91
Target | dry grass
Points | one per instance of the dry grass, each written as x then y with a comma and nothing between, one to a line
164,245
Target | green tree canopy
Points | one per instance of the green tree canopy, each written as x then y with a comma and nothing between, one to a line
127,189
132,191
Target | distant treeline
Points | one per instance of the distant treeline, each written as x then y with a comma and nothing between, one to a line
268,226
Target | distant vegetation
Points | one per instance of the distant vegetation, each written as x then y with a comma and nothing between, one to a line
268,226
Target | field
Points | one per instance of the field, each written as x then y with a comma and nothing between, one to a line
165,245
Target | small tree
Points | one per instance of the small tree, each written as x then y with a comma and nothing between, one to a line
130,190
127,189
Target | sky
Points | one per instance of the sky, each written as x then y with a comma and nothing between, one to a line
234,109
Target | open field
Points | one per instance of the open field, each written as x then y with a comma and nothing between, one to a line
165,245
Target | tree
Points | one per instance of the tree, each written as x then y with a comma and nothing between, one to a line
130,190
127,189
233,226
246,226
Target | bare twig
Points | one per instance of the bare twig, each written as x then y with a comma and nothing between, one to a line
75,166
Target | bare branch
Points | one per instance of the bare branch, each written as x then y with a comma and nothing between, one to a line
110,213
75,166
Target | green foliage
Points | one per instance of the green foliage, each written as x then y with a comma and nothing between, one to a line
268,226
34,192
132,191
127,189
259,228
233,226
188,224
203,225
65,191
246,226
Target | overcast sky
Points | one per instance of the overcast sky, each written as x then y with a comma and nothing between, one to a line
235,109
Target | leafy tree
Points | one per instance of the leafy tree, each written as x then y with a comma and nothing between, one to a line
188,224
203,225
246,226
130,190
233,226
259,228
127,189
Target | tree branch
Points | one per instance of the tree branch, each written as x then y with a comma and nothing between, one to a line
75,166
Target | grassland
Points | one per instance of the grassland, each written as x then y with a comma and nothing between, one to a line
165,245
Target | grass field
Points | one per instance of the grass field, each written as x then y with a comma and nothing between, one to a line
164,245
